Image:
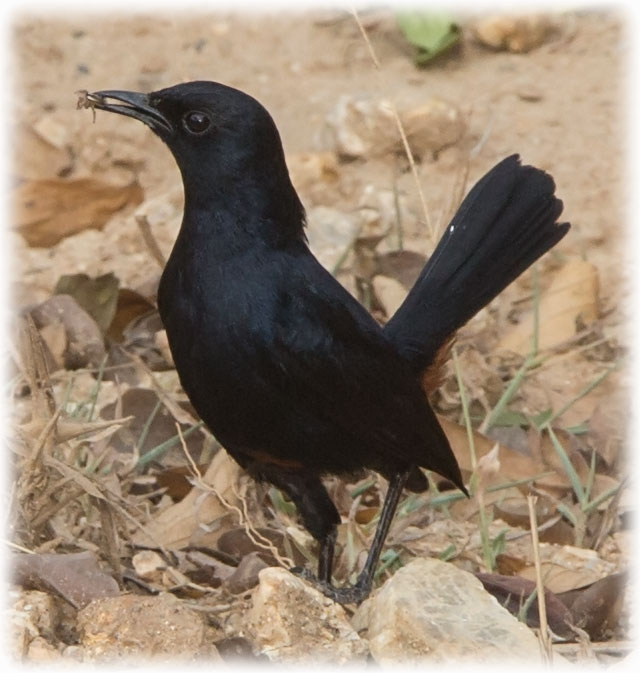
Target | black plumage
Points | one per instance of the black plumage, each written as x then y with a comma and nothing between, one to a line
292,375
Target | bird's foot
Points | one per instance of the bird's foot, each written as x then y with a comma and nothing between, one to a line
342,595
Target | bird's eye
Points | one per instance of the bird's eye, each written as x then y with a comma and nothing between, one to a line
196,122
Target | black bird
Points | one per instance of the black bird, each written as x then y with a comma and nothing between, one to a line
293,375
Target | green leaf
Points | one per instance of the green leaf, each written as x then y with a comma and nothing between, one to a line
431,33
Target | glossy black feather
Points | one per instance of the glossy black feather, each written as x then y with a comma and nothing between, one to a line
288,370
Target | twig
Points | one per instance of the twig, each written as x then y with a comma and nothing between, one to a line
545,640
194,468
149,239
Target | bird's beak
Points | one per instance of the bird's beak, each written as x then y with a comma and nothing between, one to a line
130,104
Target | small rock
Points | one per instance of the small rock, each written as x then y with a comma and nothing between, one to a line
137,627
41,610
432,127
513,33
149,565
431,610
41,650
34,614
245,576
290,621
362,127
73,652
331,233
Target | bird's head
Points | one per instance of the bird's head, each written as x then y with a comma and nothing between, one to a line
223,140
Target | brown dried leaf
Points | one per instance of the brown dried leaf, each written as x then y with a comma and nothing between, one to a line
568,568
175,526
237,544
608,425
569,302
541,445
597,608
85,344
77,578
366,515
513,465
54,336
515,511
46,211
402,265
130,307
177,480
512,592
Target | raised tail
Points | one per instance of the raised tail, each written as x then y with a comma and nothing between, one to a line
506,222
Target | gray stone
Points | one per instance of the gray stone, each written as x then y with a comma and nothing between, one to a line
432,611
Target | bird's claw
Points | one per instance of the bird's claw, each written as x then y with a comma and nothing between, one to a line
342,595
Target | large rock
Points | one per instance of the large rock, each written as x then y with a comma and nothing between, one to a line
290,621
433,611
139,628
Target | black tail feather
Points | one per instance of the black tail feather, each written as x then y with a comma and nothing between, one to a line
506,222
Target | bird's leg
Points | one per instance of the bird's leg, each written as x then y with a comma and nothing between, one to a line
316,509
321,518
361,589
325,557
396,485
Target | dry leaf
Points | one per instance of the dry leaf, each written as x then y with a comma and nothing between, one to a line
541,446
245,576
177,480
608,425
84,341
46,211
54,336
236,543
97,296
78,578
515,511
201,510
513,465
568,567
597,608
512,592
130,306
568,303
402,265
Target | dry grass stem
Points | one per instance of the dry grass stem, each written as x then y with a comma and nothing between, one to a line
545,640
401,131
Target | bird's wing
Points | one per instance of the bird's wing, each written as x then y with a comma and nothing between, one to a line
333,365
